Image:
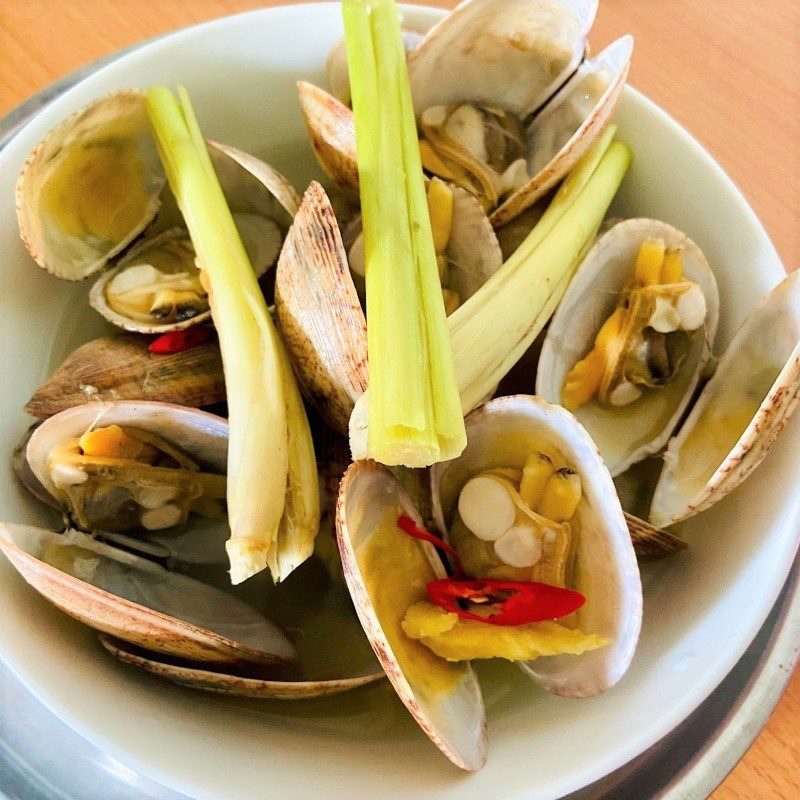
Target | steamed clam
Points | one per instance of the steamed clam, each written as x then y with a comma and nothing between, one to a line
739,412
467,250
95,183
132,466
631,338
530,499
576,539
507,129
140,602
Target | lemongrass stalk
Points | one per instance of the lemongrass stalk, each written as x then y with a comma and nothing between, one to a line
449,421
414,407
258,448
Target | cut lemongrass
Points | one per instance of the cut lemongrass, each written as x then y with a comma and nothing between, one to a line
259,388
415,409
494,327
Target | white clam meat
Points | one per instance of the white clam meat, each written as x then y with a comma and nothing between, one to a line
642,410
739,412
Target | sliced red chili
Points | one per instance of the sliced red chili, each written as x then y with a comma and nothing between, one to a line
178,341
517,602
407,525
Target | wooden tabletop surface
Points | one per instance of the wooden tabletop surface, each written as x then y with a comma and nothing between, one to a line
726,69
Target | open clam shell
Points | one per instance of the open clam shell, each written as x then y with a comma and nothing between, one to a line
90,186
336,64
202,436
567,127
450,708
473,251
123,368
514,54
631,433
140,602
739,412
263,204
194,677
502,433
319,313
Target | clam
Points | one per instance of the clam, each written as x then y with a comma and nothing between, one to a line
507,128
132,466
229,683
319,313
530,499
156,287
90,187
386,572
467,249
140,602
123,368
625,351
739,412
336,65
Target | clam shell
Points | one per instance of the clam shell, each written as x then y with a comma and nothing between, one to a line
455,722
143,616
319,313
251,187
332,129
71,257
473,250
192,677
501,433
458,61
765,348
336,64
644,427
99,301
122,368
564,151
202,436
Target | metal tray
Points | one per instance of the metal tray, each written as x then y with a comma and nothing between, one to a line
688,764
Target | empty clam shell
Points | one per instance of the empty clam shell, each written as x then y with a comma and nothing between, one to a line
319,313
511,54
140,602
443,697
501,434
631,433
566,128
739,412
90,186
123,368
194,677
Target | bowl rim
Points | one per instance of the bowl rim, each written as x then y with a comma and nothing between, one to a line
653,730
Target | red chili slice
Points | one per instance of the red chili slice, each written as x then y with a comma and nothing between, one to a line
517,602
178,341
407,525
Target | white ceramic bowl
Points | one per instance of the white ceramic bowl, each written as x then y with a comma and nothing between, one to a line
702,607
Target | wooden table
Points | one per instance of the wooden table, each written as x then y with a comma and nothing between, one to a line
726,69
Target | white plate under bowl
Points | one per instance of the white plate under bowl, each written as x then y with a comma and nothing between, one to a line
702,607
